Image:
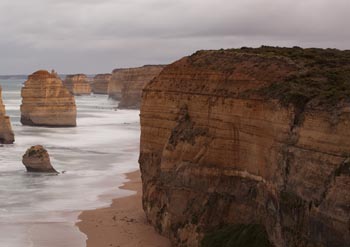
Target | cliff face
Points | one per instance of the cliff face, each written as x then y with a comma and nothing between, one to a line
127,84
242,138
77,84
100,83
6,133
46,102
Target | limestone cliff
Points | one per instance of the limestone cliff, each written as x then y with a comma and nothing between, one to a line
46,102
6,133
100,83
77,84
247,137
127,84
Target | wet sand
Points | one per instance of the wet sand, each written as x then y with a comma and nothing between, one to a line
123,223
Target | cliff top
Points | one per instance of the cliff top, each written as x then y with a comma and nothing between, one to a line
144,66
42,74
321,77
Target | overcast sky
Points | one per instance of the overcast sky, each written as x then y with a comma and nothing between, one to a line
94,36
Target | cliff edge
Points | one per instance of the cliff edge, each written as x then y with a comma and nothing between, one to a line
126,84
249,140
77,84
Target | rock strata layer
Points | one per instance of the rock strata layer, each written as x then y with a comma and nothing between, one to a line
246,137
100,83
77,84
46,102
6,133
37,159
126,84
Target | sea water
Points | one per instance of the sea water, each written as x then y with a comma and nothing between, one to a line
41,209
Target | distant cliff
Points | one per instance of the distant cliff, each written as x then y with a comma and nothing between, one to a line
126,84
46,102
77,84
249,140
100,83
6,133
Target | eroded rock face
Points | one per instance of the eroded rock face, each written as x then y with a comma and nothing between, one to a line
100,83
222,144
126,84
77,84
37,159
6,133
46,102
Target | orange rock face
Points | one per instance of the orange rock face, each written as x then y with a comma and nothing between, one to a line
37,159
100,83
46,102
217,150
127,84
6,133
77,84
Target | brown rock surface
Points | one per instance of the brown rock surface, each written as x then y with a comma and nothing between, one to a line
250,136
6,133
100,83
77,84
126,84
46,102
37,159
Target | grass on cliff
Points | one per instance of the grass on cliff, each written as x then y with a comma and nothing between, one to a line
237,236
323,77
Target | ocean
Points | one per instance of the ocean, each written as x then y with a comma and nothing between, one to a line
40,209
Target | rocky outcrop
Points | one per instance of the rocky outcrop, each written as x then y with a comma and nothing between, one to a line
46,102
232,139
6,133
126,84
100,83
37,159
77,84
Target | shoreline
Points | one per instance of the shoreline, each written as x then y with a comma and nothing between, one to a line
121,224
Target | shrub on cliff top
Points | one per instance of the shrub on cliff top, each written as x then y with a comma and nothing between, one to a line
323,77
237,236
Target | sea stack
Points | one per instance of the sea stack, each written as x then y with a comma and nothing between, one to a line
100,83
77,84
126,84
46,102
6,133
249,140
37,159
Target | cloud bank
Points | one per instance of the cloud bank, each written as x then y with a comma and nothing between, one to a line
93,36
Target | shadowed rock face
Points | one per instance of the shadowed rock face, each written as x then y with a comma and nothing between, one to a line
77,84
100,83
126,84
219,149
37,159
6,133
46,102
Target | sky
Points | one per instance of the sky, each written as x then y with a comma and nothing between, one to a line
96,36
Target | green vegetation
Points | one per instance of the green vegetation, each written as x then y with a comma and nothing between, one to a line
322,78
237,236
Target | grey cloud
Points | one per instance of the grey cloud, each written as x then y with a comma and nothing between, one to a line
98,35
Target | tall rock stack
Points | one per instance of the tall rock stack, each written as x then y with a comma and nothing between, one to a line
234,139
77,84
6,133
100,83
46,102
126,84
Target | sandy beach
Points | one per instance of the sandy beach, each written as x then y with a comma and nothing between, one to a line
123,223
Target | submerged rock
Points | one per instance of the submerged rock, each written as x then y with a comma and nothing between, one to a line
37,159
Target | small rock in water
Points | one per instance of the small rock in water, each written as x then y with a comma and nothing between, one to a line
37,159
